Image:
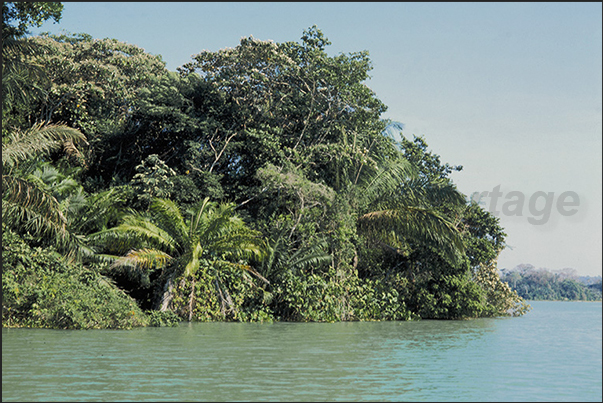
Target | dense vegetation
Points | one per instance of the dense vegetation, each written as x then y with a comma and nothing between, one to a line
541,284
255,183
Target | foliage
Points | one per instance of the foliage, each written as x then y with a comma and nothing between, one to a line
212,238
500,299
329,299
152,180
256,183
541,284
163,318
94,87
298,206
282,102
227,293
40,139
19,77
39,289
25,204
17,17
28,205
447,297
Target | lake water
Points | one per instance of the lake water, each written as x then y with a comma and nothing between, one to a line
551,354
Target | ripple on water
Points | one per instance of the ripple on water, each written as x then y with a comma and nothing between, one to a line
553,353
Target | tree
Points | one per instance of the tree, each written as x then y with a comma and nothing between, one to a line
152,180
411,216
447,250
17,17
22,78
282,103
212,238
84,213
24,204
270,109
542,284
94,86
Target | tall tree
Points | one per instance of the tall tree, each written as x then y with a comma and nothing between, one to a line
94,86
22,79
17,17
283,103
25,203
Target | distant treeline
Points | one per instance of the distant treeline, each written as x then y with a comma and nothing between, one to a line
541,284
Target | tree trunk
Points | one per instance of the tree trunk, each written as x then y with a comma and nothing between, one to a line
190,300
166,298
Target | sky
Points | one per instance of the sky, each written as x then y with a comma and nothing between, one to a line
510,91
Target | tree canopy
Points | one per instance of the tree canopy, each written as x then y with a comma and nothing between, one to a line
268,157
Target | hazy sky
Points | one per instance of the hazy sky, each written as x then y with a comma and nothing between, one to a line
511,91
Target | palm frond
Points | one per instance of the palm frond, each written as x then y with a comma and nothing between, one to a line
144,228
414,224
193,259
138,263
50,178
101,209
41,138
390,175
244,267
313,255
111,240
23,201
239,243
29,205
218,220
134,232
24,217
17,215
197,214
168,217
282,257
145,258
77,247
20,75
421,191
13,49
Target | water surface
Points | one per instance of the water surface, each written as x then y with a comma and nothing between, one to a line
551,354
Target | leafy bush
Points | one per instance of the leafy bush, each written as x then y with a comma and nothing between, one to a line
331,298
163,318
39,289
227,294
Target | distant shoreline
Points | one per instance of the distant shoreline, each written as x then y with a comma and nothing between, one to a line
562,300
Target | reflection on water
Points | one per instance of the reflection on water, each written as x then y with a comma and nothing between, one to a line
553,353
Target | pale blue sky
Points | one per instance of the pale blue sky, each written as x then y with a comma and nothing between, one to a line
511,91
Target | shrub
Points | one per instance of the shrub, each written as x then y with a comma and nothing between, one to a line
39,289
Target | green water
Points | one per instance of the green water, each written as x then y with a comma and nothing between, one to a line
551,354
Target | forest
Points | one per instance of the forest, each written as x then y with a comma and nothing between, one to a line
542,284
255,183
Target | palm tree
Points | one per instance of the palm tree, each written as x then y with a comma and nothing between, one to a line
402,207
282,259
24,203
83,213
212,237
22,80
